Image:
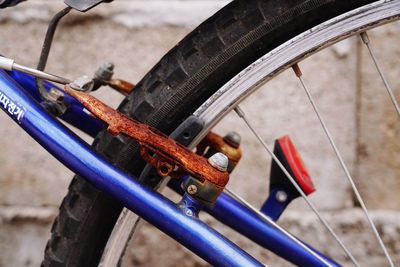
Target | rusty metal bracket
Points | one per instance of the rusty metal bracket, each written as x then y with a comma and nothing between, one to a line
103,76
205,191
213,143
171,156
121,86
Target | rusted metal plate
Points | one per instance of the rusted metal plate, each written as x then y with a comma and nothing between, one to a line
121,86
152,139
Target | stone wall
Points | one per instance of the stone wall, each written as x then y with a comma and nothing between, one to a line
134,35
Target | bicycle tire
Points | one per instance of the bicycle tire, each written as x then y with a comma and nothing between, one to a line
185,77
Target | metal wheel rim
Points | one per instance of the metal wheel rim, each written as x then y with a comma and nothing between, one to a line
253,77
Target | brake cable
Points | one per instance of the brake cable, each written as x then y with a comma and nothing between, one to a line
56,107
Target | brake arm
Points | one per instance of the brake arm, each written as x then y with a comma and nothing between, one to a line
170,152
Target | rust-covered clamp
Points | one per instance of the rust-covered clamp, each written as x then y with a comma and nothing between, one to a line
169,156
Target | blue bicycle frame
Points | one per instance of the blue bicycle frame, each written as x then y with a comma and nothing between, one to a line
20,100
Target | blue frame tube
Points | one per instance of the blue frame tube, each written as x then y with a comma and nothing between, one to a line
81,159
248,223
237,216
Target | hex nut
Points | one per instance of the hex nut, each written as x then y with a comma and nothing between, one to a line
233,139
219,161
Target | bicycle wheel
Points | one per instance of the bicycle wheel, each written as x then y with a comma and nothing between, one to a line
184,83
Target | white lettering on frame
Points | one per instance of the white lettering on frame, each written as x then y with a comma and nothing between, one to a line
15,110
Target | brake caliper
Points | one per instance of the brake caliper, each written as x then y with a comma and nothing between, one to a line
160,151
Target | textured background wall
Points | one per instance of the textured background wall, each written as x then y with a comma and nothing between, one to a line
134,35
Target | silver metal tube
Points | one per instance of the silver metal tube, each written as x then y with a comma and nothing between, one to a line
41,74
9,64
6,63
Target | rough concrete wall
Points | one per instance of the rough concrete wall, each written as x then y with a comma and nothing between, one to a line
378,142
32,183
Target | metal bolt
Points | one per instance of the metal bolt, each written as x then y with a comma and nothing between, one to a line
83,83
189,213
109,66
192,189
219,161
233,139
281,196
105,72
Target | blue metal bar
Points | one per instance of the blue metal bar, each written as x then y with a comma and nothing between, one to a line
246,222
235,215
75,114
80,158
273,207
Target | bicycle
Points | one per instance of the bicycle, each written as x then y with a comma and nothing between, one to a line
246,40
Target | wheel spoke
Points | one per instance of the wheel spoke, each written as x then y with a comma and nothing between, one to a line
299,74
271,222
242,115
366,41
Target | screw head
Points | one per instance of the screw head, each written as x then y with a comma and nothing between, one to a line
219,161
189,213
281,196
233,139
192,189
